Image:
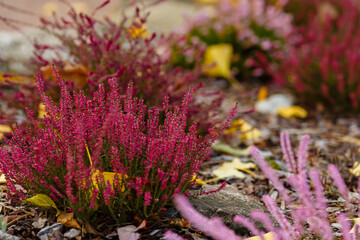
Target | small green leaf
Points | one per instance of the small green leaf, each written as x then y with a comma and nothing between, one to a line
42,200
221,147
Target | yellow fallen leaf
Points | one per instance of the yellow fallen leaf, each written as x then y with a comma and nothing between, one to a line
42,200
221,147
193,178
266,236
67,219
355,170
248,132
198,181
292,111
2,179
108,178
220,55
224,173
4,129
72,72
14,78
41,112
212,180
349,139
356,222
262,94
250,172
232,168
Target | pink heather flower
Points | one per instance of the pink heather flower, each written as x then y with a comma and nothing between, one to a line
169,235
94,197
287,151
286,229
269,173
302,154
261,216
249,225
299,182
221,187
338,181
147,197
211,227
108,192
320,200
345,227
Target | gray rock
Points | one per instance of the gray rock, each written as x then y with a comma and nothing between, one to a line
72,233
17,48
43,233
226,204
272,103
5,236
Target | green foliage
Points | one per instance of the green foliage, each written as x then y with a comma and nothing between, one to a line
3,223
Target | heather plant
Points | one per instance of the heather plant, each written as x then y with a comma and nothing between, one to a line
305,203
90,51
14,99
304,11
255,29
321,67
127,52
107,155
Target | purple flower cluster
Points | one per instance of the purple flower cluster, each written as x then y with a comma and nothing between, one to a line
321,64
307,204
149,154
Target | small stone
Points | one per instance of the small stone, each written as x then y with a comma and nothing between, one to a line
226,204
40,223
274,195
154,232
111,235
72,233
43,233
55,235
6,236
336,225
171,212
332,209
